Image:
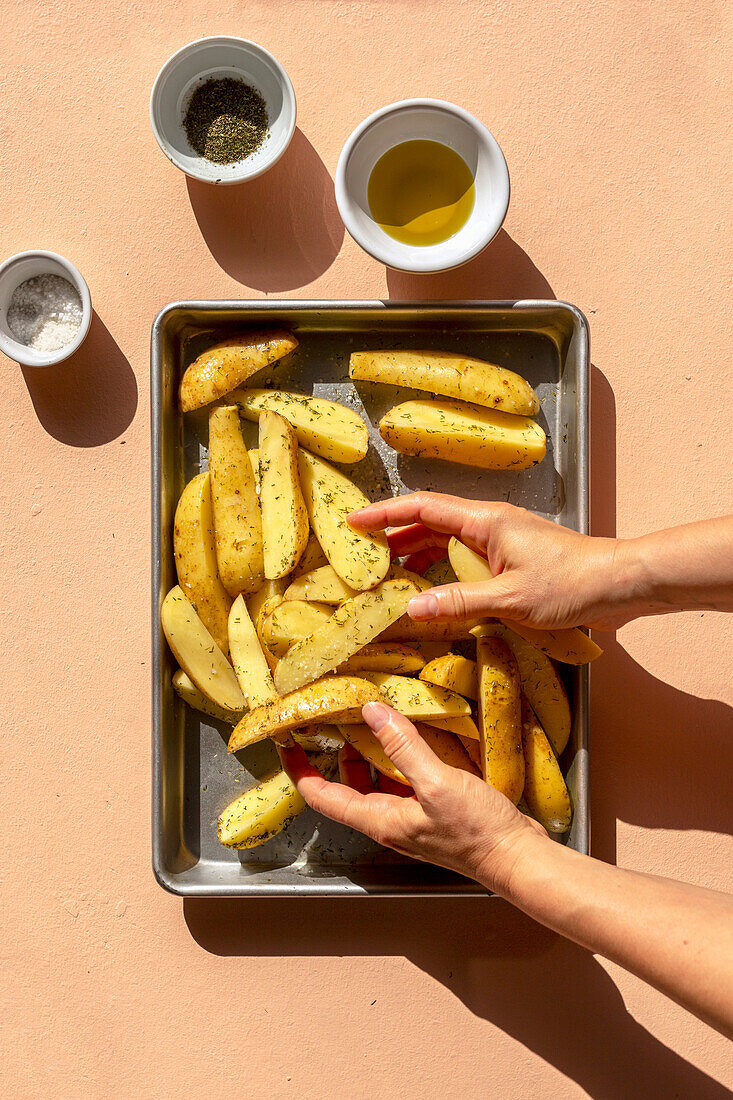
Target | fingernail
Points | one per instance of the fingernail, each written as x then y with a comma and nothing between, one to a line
375,715
424,606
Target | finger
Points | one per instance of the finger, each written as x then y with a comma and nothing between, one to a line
391,786
450,602
423,559
403,745
415,536
354,770
447,514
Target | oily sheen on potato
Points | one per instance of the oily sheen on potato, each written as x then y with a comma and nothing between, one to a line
500,717
284,516
250,663
194,547
236,507
466,434
545,791
225,366
197,653
449,374
324,427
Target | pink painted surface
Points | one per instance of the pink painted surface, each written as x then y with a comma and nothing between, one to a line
616,126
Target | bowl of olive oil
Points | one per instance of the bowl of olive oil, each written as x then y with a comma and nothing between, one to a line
422,185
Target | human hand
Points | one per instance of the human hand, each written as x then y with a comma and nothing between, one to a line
544,575
453,818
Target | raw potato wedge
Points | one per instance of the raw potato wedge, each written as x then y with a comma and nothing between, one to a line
361,560
250,664
541,684
440,572
462,433
449,374
319,738
572,647
312,557
324,427
463,727
267,809
352,625
284,518
454,673
500,717
427,632
545,791
323,585
290,623
197,653
194,546
417,700
336,699
447,748
364,741
254,458
473,750
184,687
236,508
260,597
265,611
220,369
384,657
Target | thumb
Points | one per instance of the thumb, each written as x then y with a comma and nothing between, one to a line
402,743
447,602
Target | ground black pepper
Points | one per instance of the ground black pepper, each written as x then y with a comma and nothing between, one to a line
226,120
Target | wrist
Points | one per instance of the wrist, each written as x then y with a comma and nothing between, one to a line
508,868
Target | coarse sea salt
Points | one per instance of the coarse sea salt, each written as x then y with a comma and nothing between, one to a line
45,312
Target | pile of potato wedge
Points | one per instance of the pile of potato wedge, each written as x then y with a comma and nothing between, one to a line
286,621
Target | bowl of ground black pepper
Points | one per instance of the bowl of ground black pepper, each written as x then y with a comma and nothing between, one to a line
223,110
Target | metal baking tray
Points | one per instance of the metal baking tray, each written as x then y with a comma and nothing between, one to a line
193,776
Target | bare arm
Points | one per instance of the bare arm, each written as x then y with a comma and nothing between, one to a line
678,938
548,576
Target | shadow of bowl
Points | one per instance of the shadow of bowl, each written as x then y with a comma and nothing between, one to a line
277,232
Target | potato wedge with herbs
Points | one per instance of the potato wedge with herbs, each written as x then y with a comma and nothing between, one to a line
263,615
393,657
361,560
197,653
545,790
311,558
364,741
324,427
322,585
256,601
236,508
194,547
449,374
289,623
250,664
352,625
571,646
428,632
284,516
222,368
440,572
464,727
321,737
254,458
447,747
416,699
185,688
541,684
454,673
335,699
468,435
267,809
500,717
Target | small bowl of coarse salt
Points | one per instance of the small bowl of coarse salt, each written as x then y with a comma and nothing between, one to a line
45,308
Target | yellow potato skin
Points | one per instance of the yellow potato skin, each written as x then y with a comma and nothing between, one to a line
450,374
447,747
454,673
194,548
197,653
361,737
227,364
326,428
337,699
416,699
186,690
545,790
394,657
500,717
284,517
266,809
466,434
236,508
289,623
361,560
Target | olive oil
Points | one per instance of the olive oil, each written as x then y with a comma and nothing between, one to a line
421,192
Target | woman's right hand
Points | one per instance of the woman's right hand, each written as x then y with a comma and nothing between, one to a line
544,575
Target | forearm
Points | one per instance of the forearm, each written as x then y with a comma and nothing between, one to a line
677,937
683,568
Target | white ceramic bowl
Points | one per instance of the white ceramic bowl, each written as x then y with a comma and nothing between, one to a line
221,56
425,120
26,265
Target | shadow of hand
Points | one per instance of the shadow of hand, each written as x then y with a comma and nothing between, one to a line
279,231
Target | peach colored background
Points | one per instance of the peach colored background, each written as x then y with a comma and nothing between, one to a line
615,121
